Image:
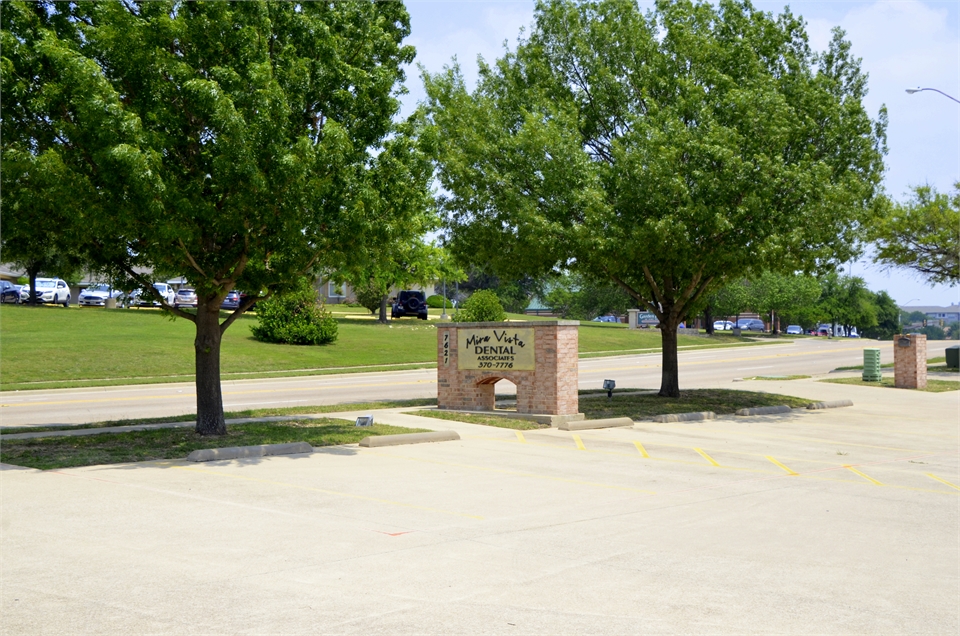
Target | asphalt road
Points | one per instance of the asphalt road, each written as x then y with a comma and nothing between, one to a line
699,368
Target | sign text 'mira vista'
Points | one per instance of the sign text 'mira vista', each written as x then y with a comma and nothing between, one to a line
496,349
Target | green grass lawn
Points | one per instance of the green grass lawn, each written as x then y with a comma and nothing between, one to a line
177,443
53,347
638,407
933,386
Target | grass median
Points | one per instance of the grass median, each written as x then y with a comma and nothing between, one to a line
53,347
639,407
933,386
176,443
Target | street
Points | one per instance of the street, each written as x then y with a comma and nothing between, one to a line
698,368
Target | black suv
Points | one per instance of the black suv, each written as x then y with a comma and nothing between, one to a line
410,303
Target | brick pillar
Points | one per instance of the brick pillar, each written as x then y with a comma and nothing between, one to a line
910,361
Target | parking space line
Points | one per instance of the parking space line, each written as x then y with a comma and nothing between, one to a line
867,477
643,451
579,442
707,457
328,492
776,463
942,481
523,440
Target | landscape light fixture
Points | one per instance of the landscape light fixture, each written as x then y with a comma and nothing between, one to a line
365,420
609,386
911,91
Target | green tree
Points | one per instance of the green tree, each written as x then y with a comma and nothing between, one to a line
773,293
670,152
888,314
846,301
233,143
577,298
922,234
730,300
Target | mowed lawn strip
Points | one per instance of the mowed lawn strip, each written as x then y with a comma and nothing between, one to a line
251,413
638,407
177,443
52,347
933,386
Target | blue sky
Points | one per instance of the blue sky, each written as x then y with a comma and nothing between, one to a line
902,43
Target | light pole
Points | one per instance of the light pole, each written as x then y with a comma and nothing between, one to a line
911,91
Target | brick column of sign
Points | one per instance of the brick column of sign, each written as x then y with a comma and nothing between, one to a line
910,361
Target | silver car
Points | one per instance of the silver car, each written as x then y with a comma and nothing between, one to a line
97,295
185,297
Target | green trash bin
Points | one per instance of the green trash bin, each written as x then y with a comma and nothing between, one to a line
953,357
871,365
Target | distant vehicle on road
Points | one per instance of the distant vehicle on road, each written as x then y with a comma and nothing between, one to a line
606,319
135,299
750,324
231,300
723,325
97,295
410,303
794,330
185,297
49,290
9,293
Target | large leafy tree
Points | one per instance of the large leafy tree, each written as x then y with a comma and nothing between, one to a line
775,293
670,151
922,234
230,142
846,301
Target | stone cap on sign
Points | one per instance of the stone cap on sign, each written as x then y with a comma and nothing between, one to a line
519,323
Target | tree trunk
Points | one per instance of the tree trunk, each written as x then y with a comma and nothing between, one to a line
670,368
708,318
774,323
32,273
383,309
210,419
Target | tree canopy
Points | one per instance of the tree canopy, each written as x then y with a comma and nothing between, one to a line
233,143
922,234
670,151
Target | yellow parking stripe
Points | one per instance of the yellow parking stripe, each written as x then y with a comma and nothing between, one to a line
643,451
579,442
867,477
706,457
943,481
776,463
523,440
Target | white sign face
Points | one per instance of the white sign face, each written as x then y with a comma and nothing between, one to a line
493,349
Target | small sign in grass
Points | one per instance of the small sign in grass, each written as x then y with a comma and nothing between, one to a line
176,443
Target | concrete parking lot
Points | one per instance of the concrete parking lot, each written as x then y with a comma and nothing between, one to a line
838,521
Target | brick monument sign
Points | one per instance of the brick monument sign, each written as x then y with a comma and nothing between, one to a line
910,361
539,357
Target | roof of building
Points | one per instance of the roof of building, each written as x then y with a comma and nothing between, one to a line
933,309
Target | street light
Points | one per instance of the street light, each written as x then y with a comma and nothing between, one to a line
911,91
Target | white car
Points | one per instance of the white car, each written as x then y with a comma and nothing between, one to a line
49,290
794,330
97,295
166,291
723,325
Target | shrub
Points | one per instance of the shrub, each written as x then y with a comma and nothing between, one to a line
436,302
482,306
295,318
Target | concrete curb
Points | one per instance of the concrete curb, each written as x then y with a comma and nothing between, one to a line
238,452
585,425
765,410
832,404
685,417
376,441
552,420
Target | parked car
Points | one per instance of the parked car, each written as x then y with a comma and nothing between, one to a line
9,293
750,324
231,301
97,295
606,319
185,297
410,303
49,290
166,291
723,325
794,330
